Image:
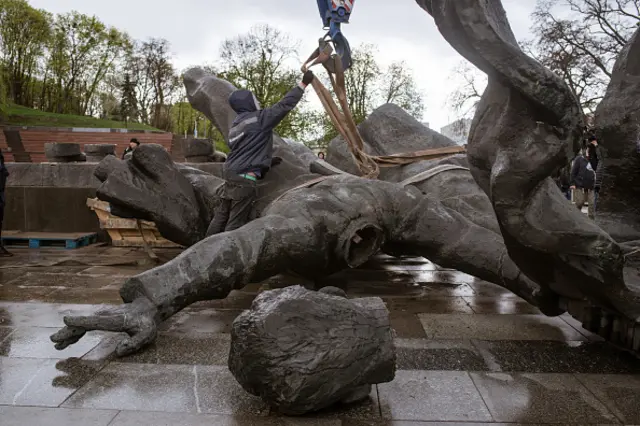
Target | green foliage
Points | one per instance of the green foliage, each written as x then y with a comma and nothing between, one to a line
260,61
23,116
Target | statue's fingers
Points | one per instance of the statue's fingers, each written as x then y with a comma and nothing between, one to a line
106,322
136,342
67,336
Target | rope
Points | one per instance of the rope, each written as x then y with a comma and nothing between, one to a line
428,174
344,123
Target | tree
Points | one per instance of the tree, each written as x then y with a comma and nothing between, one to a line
128,102
361,82
399,87
262,61
580,40
162,76
23,34
469,85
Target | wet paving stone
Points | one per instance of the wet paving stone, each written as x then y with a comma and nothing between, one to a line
129,418
35,342
427,305
422,354
432,396
483,288
620,393
27,416
560,357
40,279
5,332
365,409
167,388
171,348
407,326
542,398
504,306
40,314
15,293
92,296
42,382
8,275
498,327
201,319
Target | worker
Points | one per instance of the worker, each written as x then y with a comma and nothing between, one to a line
133,144
251,156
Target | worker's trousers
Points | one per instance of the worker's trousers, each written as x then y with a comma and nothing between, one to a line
237,197
583,196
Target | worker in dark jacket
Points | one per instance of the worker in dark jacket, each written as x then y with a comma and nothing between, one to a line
133,144
251,156
583,179
4,174
562,178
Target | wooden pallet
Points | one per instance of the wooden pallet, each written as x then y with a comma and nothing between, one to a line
128,232
36,240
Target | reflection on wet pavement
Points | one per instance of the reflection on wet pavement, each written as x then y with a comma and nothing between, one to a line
468,352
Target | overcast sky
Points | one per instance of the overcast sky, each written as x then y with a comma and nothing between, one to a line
195,28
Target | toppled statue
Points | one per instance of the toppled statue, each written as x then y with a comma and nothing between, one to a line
302,351
494,214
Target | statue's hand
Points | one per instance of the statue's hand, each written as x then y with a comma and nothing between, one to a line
137,319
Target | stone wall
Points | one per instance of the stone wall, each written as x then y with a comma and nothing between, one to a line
27,143
51,197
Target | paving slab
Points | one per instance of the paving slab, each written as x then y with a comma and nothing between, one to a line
197,320
406,325
450,355
35,416
432,396
194,349
167,388
35,342
531,356
428,305
499,305
16,293
498,327
16,314
483,288
108,296
367,409
542,398
47,279
42,382
130,418
620,393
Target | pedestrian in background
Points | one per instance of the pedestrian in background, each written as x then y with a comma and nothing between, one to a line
583,180
4,174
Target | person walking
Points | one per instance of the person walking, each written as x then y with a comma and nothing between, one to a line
583,179
251,156
4,174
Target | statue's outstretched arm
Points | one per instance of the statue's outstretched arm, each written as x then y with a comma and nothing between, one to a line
208,270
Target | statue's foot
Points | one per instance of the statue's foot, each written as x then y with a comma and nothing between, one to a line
137,319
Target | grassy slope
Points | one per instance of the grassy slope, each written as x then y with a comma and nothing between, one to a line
23,116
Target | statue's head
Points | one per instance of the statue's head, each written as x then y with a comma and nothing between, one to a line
243,101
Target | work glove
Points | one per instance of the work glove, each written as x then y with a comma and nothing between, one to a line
307,78
275,161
